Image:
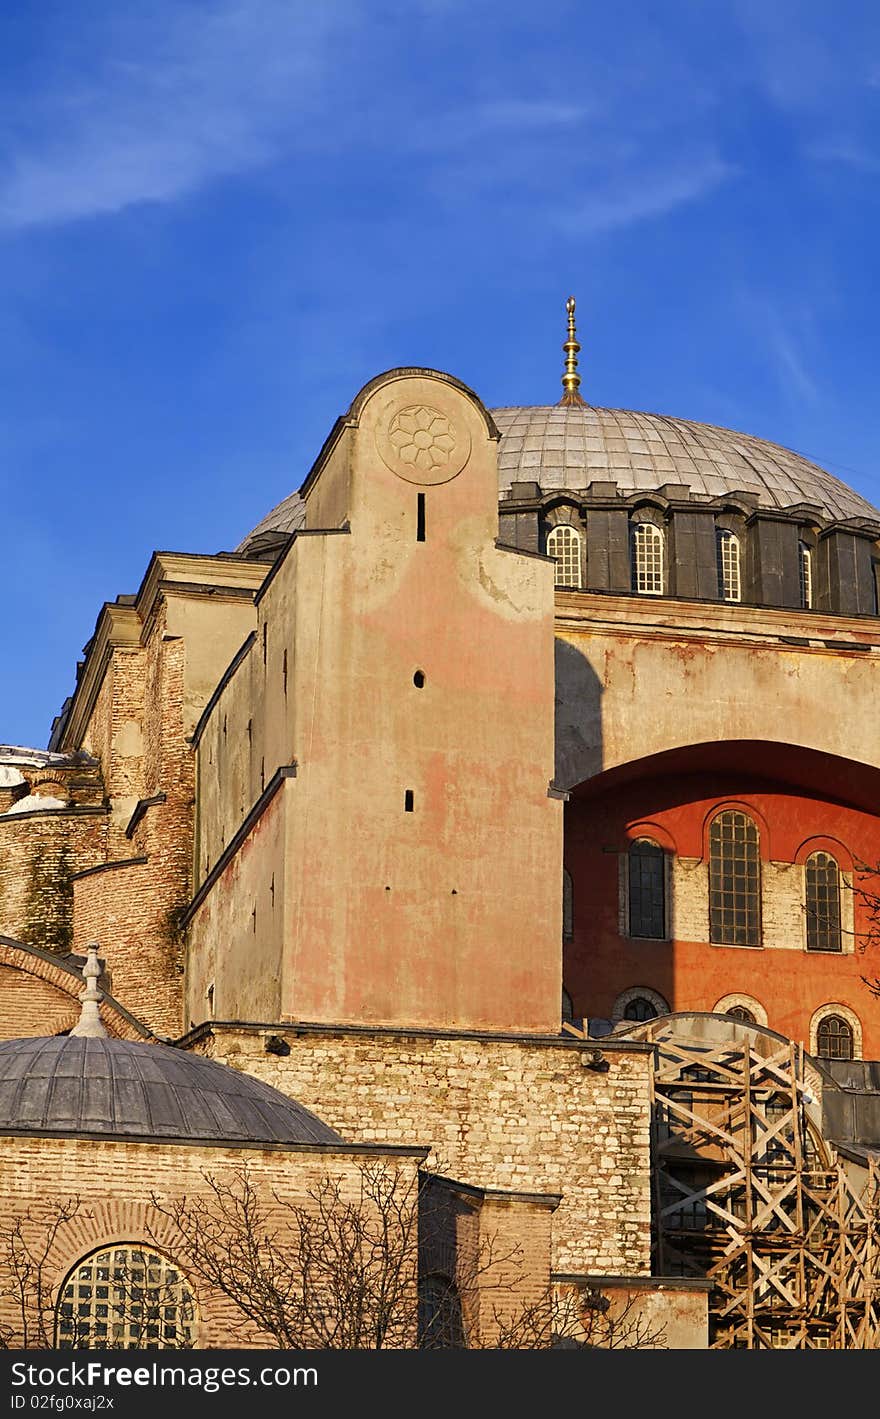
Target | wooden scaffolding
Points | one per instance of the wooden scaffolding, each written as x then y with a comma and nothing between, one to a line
749,1194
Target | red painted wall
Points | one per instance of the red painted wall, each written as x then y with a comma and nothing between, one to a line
791,984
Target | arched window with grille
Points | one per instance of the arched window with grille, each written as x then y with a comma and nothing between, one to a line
734,880
647,559
647,890
125,1297
741,1012
564,546
822,902
834,1038
805,569
640,1008
727,544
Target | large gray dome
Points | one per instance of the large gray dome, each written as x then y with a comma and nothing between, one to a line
69,1084
572,446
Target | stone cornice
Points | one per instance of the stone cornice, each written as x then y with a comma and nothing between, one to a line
125,624
675,618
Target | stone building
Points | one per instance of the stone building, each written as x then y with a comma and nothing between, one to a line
505,720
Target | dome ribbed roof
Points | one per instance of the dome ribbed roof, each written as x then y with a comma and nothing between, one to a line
75,1085
572,446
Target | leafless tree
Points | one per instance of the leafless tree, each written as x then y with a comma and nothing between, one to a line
342,1272
26,1244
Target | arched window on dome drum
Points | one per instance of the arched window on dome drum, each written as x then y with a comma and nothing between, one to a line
640,1008
734,880
728,566
647,559
647,890
834,1038
822,892
740,1012
125,1297
564,545
805,569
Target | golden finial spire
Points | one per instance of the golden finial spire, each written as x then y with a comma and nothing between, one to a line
571,379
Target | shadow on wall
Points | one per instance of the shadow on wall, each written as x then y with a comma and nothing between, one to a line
578,717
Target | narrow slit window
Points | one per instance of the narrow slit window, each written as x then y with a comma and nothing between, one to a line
728,567
647,559
805,564
420,517
564,546
408,801
822,883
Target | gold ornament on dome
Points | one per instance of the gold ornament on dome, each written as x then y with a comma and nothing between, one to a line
422,445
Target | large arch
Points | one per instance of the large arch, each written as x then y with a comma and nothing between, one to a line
796,796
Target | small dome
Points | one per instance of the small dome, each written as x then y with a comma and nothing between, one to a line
85,1086
571,446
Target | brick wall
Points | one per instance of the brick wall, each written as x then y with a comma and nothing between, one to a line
30,1006
114,1183
511,1113
39,852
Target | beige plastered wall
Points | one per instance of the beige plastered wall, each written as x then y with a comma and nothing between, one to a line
637,677
449,915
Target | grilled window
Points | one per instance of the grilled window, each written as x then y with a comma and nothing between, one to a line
647,890
640,1008
647,559
834,1038
564,545
740,1012
805,565
728,567
822,881
734,880
125,1298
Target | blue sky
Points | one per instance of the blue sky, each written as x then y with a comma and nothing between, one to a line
219,219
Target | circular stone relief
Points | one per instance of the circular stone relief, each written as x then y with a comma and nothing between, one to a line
422,445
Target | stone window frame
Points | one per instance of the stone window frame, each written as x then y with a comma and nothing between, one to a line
566,513
648,515
845,1013
846,877
747,1002
747,811
662,839
645,837
637,992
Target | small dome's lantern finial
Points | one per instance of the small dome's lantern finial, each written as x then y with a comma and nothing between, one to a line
571,379
90,1023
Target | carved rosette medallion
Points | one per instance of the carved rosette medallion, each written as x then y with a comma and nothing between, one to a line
422,445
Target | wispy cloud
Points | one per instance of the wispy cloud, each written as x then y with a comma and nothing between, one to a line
844,154
176,97
786,333
640,195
